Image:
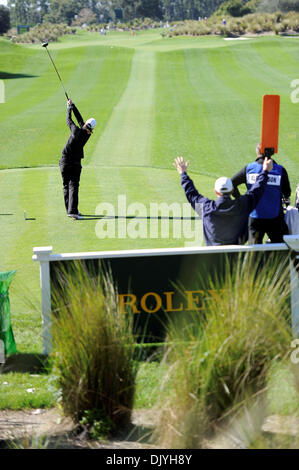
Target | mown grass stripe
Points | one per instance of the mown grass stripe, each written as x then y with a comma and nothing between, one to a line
177,111
255,64
290,50
202,133
37,108
224,108
20,70
288,132
274,53
42,87
129,132
41,125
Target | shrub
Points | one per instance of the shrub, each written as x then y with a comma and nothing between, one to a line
94,348
254,23
278,28
218,363
255,28
44,33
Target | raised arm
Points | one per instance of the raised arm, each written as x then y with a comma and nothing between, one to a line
191,192
69,120
78,116
71,107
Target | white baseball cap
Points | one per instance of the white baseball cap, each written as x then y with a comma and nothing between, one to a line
91,123
223,185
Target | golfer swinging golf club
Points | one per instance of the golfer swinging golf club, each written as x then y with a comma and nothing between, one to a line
70,162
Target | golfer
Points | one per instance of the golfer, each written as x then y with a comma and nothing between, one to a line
70,162
225,221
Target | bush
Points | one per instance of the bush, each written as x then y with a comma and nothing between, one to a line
94,348
44,33
219,363
277,28
252,23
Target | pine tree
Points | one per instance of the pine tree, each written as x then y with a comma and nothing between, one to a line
4,19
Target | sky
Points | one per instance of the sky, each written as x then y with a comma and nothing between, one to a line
3,2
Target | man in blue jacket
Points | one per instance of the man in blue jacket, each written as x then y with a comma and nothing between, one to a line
225,221
267,217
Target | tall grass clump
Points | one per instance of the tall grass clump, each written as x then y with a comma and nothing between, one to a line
93,352
219,357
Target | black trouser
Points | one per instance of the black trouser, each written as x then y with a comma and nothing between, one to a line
70,173
274,228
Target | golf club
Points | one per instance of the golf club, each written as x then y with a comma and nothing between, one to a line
45,44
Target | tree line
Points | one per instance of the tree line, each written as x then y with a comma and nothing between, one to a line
72,12
34,12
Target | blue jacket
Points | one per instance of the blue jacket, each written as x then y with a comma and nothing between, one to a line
241,178
270,204
225,221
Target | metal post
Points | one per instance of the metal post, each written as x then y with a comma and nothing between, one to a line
292,242
294,297
2,352
42,254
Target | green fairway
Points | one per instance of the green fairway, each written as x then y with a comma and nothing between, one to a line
154,99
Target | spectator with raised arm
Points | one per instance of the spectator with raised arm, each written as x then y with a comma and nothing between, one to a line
225,220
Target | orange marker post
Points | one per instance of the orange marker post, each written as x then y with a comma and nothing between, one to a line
270,124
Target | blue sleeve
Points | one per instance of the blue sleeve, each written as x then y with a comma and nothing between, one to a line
191,192
257,189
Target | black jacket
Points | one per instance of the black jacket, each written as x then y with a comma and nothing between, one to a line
73,150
